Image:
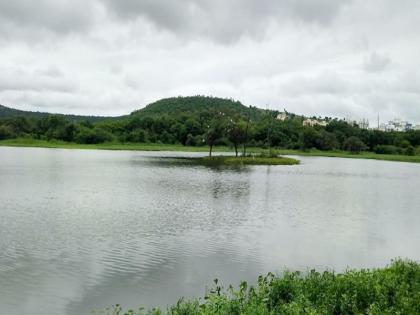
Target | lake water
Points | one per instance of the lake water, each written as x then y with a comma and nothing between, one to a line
82,230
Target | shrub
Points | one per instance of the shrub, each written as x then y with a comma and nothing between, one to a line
93,136
410,151
386,149
6,133
354,145
391,290
137,135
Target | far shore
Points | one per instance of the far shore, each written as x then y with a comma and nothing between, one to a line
23,142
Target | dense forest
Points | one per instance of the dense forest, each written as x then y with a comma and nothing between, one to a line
200,121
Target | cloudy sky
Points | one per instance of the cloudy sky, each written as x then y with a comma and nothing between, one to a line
350,58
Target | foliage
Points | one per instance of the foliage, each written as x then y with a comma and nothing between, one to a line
394,289
237,132
199,121
354,145
7,112
387,149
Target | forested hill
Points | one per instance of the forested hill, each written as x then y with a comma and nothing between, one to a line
7,112
197,104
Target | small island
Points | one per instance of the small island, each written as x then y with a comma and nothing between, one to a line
244,160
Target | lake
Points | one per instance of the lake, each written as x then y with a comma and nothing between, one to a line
85,229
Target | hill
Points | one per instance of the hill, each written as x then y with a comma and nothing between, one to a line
188,105
7,112
197,104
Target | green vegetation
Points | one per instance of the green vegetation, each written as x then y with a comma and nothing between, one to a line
244,160
7,112
391,290
202,122
29,142
345,154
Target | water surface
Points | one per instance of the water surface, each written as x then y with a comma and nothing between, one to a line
82,229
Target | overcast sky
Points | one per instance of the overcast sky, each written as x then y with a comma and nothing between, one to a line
350,58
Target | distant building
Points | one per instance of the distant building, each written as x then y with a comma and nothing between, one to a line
383,127
396,125
282,116
314,122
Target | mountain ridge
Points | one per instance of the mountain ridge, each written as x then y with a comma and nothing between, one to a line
10,112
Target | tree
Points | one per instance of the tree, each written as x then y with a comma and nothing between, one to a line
354,145
93,136
309,138
327,141
214,132
236,132
247,130
6,132
137,135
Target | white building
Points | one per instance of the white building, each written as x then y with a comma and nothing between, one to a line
282,116
396,125
314,122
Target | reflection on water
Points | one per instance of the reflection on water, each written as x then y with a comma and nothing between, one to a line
80,230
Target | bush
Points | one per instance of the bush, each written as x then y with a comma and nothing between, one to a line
391,290
387,149
137,135
93,136
327,141
6,133
410,151
354,145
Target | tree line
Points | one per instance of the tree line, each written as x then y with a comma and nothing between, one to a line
222,125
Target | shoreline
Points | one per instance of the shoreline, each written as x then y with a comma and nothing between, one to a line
33,143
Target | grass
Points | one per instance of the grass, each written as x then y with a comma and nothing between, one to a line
28,142
247,160
394,289
344,154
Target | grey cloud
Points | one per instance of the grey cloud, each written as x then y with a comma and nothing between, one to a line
24,18
51,71
327,82
131,82
376,62
44,86
324,57
224,21
19,80
321,11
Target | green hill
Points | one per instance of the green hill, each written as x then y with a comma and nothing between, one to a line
197,104
7,112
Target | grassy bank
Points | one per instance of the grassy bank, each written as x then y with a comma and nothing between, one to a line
106,146
391,290
248,160
362,155
26,142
